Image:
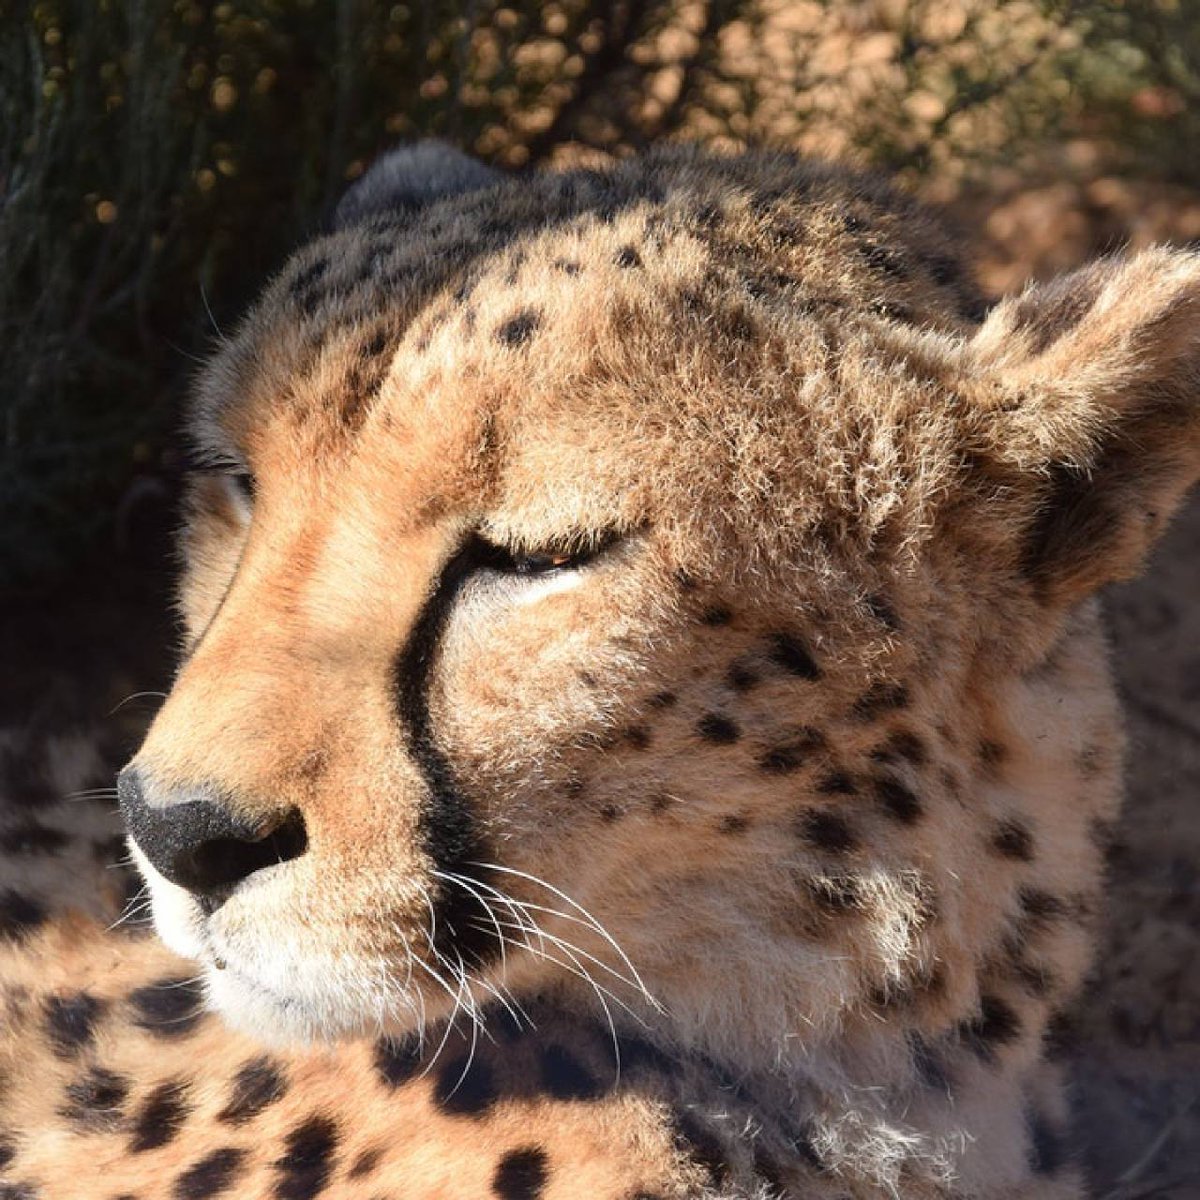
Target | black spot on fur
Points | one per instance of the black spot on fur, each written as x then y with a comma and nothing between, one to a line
464,1092
257,1085
397,1060
71,1022
312,274
365,1163
996,1025
518,329
899,801
160,1117
943,269
1047,1146
32,838
903,746
718,614
1040,907
639,1054
521,1174
718,729
663,700
169,1008
307,1161
791,655
638,736
837,783
8,1150
565,1077
20,1191
628,257
735,823
992,755
95,1100
701,1145
741,677
880,698
1012,839
827,831
212,1176
787,755
19,915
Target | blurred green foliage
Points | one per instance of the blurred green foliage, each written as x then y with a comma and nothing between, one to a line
158,158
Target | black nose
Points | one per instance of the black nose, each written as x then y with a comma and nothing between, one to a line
196,842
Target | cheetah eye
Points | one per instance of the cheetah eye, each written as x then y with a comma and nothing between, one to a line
227,467
507,561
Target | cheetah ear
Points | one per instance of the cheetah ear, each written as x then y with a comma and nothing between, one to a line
410,177
1094,399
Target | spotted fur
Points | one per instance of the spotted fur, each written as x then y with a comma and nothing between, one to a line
657,606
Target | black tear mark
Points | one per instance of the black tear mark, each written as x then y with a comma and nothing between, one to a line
521,1174
160,1117
71,1022
790,654
519,329
465,1091
170,1008
257,1085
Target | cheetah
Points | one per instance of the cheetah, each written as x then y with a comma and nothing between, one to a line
643,727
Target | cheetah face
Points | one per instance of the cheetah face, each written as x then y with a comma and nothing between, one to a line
615,585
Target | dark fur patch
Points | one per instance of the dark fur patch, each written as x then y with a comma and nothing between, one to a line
899,801
1047,1146
904,745
306,1165
565,1077
1040,908
837,783
701,1145
836,894
741,677
397,1060
519,329
638,736
19,915
717,615
735,823
827,831
257,1085
521,1174
71,1022
881,609
789,754
169,1008
628,257
880,698
32,838
996,1025
718,729
160,1117
365,1163
1012,839
465,1092
95,1100
663,700
213,1175
790,654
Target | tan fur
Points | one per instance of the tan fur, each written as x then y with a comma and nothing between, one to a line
821,747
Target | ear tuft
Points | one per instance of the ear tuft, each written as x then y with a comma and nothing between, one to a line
410,177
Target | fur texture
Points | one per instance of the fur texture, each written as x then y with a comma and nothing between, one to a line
663,599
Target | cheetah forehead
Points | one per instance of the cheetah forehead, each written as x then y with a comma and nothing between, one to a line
583,285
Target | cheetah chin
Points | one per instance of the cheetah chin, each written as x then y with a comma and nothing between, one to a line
667,592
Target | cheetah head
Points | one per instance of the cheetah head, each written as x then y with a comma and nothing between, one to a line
661,587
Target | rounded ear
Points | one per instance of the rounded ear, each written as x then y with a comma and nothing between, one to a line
410,177
1091,386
